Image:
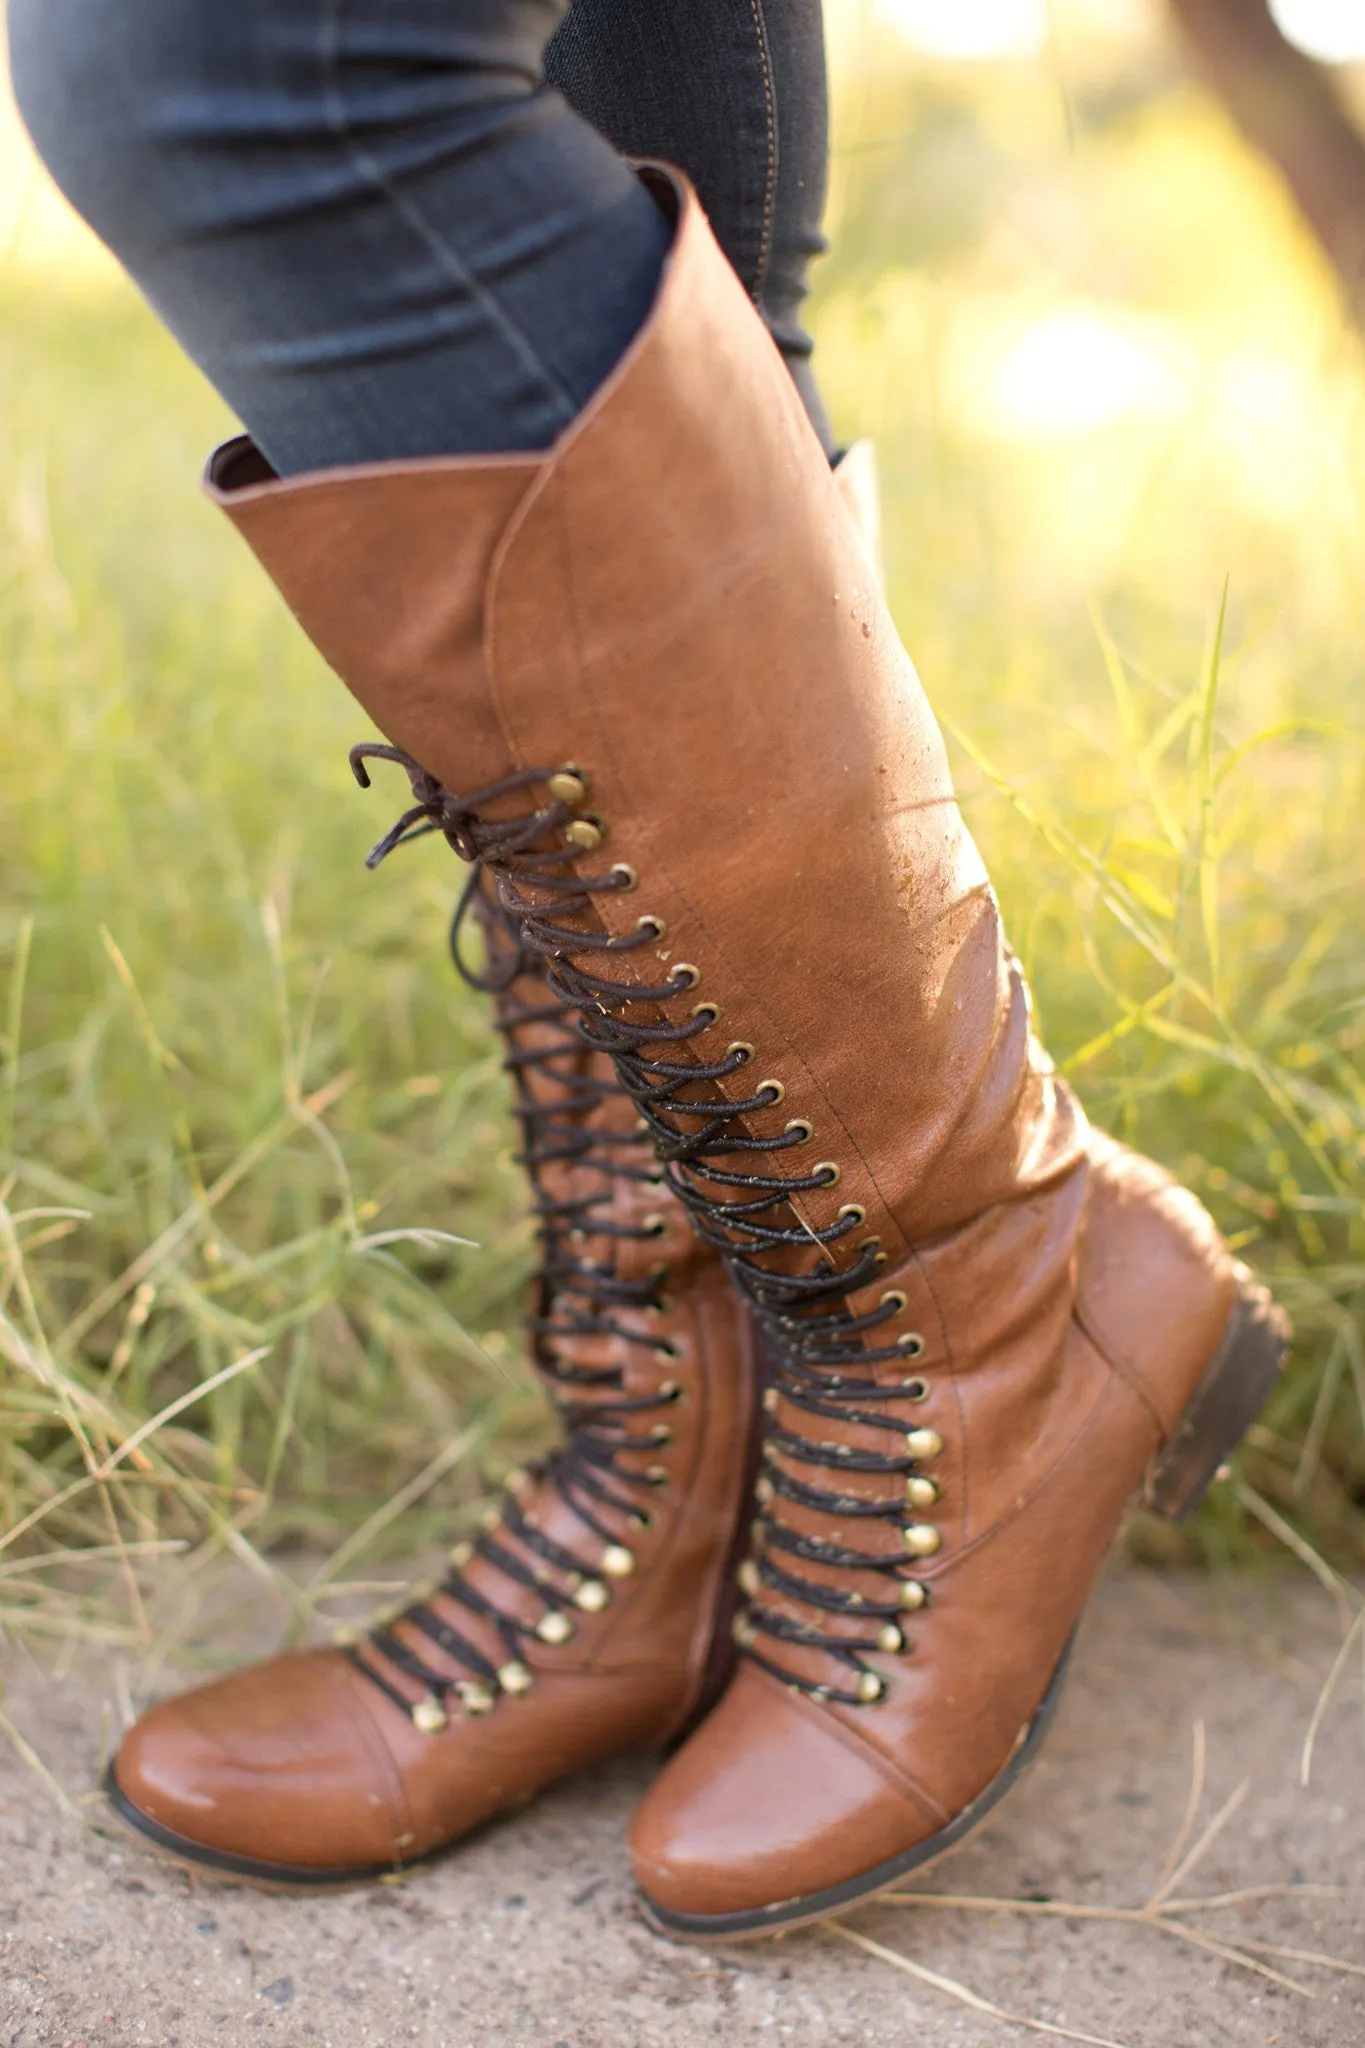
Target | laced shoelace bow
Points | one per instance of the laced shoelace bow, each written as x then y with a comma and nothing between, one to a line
557,1094
823,1358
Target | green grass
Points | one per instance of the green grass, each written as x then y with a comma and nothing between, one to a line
231,1059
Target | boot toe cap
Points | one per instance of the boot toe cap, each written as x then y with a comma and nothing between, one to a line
275,1766
773,1800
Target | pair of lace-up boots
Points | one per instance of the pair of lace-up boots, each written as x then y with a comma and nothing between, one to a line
862,1340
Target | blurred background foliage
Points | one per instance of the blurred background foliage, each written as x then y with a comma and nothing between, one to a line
1117,394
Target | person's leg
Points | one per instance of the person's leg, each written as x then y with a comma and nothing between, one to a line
733,93
361,218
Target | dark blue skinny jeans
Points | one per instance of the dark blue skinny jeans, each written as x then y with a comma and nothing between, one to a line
389,228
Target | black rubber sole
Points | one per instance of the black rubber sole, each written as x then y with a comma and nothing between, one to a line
1230,1395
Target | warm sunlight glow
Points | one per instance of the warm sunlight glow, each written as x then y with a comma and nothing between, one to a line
1073,371
1331,30
970,28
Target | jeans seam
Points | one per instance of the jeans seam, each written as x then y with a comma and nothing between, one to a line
334,100
765,244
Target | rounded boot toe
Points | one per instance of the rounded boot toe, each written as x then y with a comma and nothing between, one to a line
275,1768
771,1802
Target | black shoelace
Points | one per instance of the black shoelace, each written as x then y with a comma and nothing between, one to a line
575,1296
823,1362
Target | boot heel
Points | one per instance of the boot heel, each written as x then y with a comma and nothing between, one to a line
1223,1407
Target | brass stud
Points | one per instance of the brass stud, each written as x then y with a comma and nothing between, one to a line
617,1561
743,1630
894,1300
921,1539
773,1090
514,1678
684,973
889,1638
592,1596
652,927
763,1492
853,1212
710,1011
870,1688
554,1627
772,1400
476,1699
585,833
429,1716
921,1493
803,1126
829,1173
569,785
911,1343
924,1443
491,1519
625,876
750,1578
912,1595
741,1050
461,1555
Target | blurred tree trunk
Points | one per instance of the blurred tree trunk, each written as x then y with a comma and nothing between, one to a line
1290,109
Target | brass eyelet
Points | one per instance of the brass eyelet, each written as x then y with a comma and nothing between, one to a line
666,1348
894,1299
684,973
914,1390
741,1050
749,1578
428,1716
661,1434
652,927
670,1390
710,1011
570,785
800,1123
626,876
853,1212
773,1090
829,1173
656,1475
911,1343
654,1225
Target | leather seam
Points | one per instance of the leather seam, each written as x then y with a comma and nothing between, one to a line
900,1781
1120,1369
1040,1485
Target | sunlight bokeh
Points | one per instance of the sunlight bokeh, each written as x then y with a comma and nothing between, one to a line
970,29
1333,31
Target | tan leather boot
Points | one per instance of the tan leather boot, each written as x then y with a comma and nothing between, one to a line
589,1616
700,771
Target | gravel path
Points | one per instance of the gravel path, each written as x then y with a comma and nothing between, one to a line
527,1938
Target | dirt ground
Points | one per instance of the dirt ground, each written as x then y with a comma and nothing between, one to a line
527,1939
